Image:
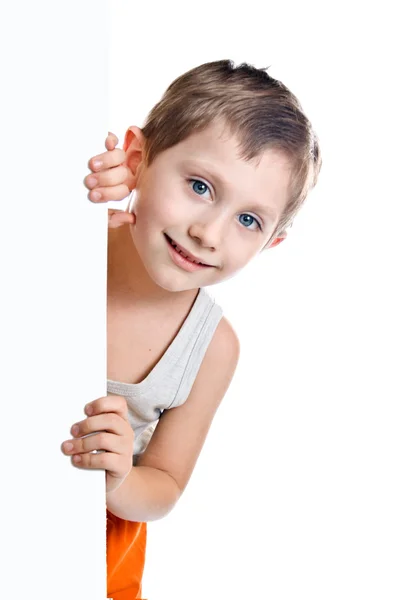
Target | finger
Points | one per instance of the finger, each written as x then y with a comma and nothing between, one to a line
116,218
107,178
102,440
107,160
111,141
110,422
108,461
93,460
109,194
107,404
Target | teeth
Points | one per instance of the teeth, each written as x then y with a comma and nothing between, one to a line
196,262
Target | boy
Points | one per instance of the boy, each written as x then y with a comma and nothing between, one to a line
221,167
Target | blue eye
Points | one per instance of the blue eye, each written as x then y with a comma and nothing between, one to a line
199,186
248,221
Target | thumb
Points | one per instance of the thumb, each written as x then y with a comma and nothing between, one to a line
117,218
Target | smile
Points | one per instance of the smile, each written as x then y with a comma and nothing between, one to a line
184,259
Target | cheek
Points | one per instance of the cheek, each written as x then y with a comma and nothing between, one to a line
158,205
238,254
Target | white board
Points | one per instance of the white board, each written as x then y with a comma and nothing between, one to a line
53,284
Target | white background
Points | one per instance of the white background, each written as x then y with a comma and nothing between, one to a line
296,493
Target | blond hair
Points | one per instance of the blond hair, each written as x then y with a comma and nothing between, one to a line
259,109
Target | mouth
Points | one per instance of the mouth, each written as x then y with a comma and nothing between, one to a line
183,258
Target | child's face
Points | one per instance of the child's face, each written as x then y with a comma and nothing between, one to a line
216,206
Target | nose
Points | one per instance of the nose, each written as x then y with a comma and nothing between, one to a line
207,234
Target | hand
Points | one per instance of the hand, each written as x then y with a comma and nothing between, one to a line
111,180
106,429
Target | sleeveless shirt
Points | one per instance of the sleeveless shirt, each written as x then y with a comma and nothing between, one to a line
169,383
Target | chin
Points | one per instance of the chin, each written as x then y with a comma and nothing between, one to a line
170,285
171,282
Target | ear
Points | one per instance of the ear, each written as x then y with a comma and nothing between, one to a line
278,240
134,149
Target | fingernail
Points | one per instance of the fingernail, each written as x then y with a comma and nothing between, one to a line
88,409
95,196
77,458
75,430
91,181
97,164
68,446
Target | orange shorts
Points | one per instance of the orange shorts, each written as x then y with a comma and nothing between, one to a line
126,549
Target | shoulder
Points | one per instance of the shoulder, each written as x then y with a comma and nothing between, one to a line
220,361
224,346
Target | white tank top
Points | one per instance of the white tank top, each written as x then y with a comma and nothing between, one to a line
169,383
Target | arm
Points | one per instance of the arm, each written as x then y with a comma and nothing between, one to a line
154,486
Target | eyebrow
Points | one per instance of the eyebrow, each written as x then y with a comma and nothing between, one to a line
198,164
